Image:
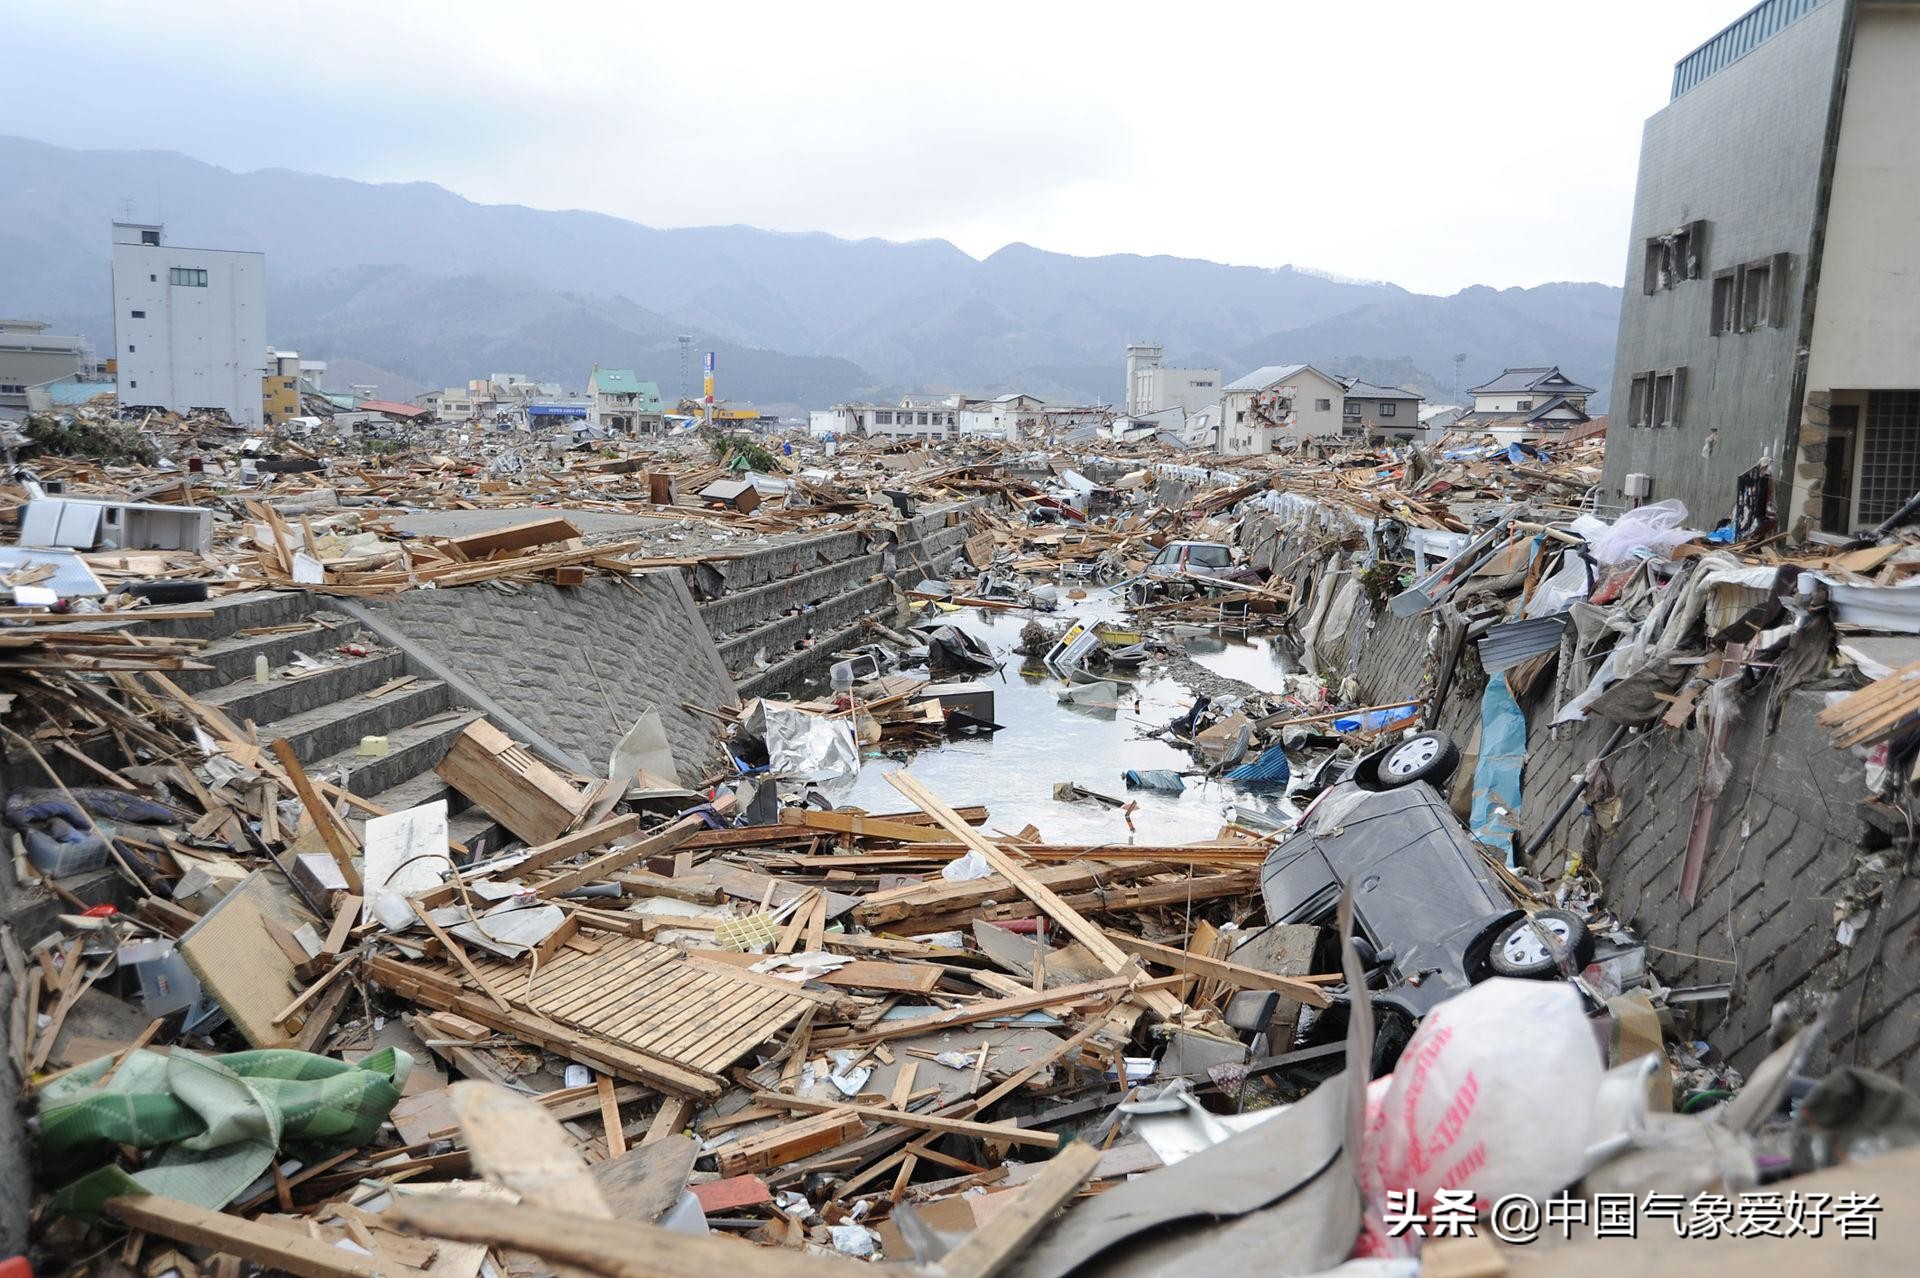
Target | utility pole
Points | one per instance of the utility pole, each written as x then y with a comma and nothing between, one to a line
1459,363
686,342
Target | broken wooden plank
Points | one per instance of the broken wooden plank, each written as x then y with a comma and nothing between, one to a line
1223,970
908,1118
275,1249
986,1251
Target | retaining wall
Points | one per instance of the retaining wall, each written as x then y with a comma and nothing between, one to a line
1786,845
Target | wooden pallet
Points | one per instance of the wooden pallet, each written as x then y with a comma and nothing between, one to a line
650,998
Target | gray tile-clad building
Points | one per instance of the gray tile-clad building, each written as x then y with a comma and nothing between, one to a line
1772,309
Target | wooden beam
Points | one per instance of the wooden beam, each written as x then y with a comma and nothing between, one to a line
610,1117
1234,974
280,1249
860,825
993,1009
908,1118
319,813
1161,1002
986,1251
613,1247
605,867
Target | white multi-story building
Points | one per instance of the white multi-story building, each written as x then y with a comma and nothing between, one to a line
189,325
908,419
1279,401
1152,387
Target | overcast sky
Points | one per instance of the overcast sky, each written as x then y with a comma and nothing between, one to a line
1434,145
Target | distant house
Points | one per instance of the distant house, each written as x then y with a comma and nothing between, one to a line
1153,387
1527,404
621,404
1380,412
1277,402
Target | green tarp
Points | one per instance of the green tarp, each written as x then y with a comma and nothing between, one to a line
216,1122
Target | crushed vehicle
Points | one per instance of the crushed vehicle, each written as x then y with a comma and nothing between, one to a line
1431,916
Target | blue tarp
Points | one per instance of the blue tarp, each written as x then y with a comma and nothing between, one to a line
1496,779
1271,768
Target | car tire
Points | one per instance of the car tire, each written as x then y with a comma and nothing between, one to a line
1430,756
1518,950
169,592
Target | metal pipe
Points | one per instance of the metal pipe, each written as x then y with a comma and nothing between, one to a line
1573,796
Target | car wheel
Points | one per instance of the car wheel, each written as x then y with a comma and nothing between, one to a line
1521,951
169,592
1430,757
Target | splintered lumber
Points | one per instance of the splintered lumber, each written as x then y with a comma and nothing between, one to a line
604,867
271,1248
938,896
319,813
1112,900
861,825
514,1141
908,1118
509,784
611,1247
1234,974
994,1009
789,1141
437,991
985,1251
1875,711
1161,1002
535,532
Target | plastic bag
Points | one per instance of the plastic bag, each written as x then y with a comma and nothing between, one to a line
1655,529
1494,1094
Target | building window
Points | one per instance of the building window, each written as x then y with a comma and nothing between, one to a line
138,314
151,238
1323,406
129,348
1240,416
13,388
287,385
1522,405
187,276
153,279
1637,402
1889,454
134,384
1673,257
883,419
1726,286
923,419
1387,409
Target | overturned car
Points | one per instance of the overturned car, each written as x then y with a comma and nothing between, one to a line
1430,914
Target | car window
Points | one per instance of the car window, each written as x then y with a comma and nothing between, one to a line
1171,555
1210,556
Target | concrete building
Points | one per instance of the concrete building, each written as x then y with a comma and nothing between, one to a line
909,419
621,404
1380,412
189,325
1526,405
1278,402
280,388
1770,333
30,356
1152,387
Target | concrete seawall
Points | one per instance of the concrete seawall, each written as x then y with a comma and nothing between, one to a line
1786,844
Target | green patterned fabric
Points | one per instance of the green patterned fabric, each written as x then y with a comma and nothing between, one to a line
216,1121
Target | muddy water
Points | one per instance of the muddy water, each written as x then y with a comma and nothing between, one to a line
1043,742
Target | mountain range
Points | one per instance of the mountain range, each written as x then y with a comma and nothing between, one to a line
411,286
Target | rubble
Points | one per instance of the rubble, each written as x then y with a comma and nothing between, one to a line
732,1018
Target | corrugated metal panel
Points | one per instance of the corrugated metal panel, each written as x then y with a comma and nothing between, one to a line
1740,37
1506,646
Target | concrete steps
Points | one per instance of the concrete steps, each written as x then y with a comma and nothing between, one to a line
325,714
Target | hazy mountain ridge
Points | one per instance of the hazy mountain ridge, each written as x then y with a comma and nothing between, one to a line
414,279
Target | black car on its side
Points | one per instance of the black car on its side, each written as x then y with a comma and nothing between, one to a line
1430,915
